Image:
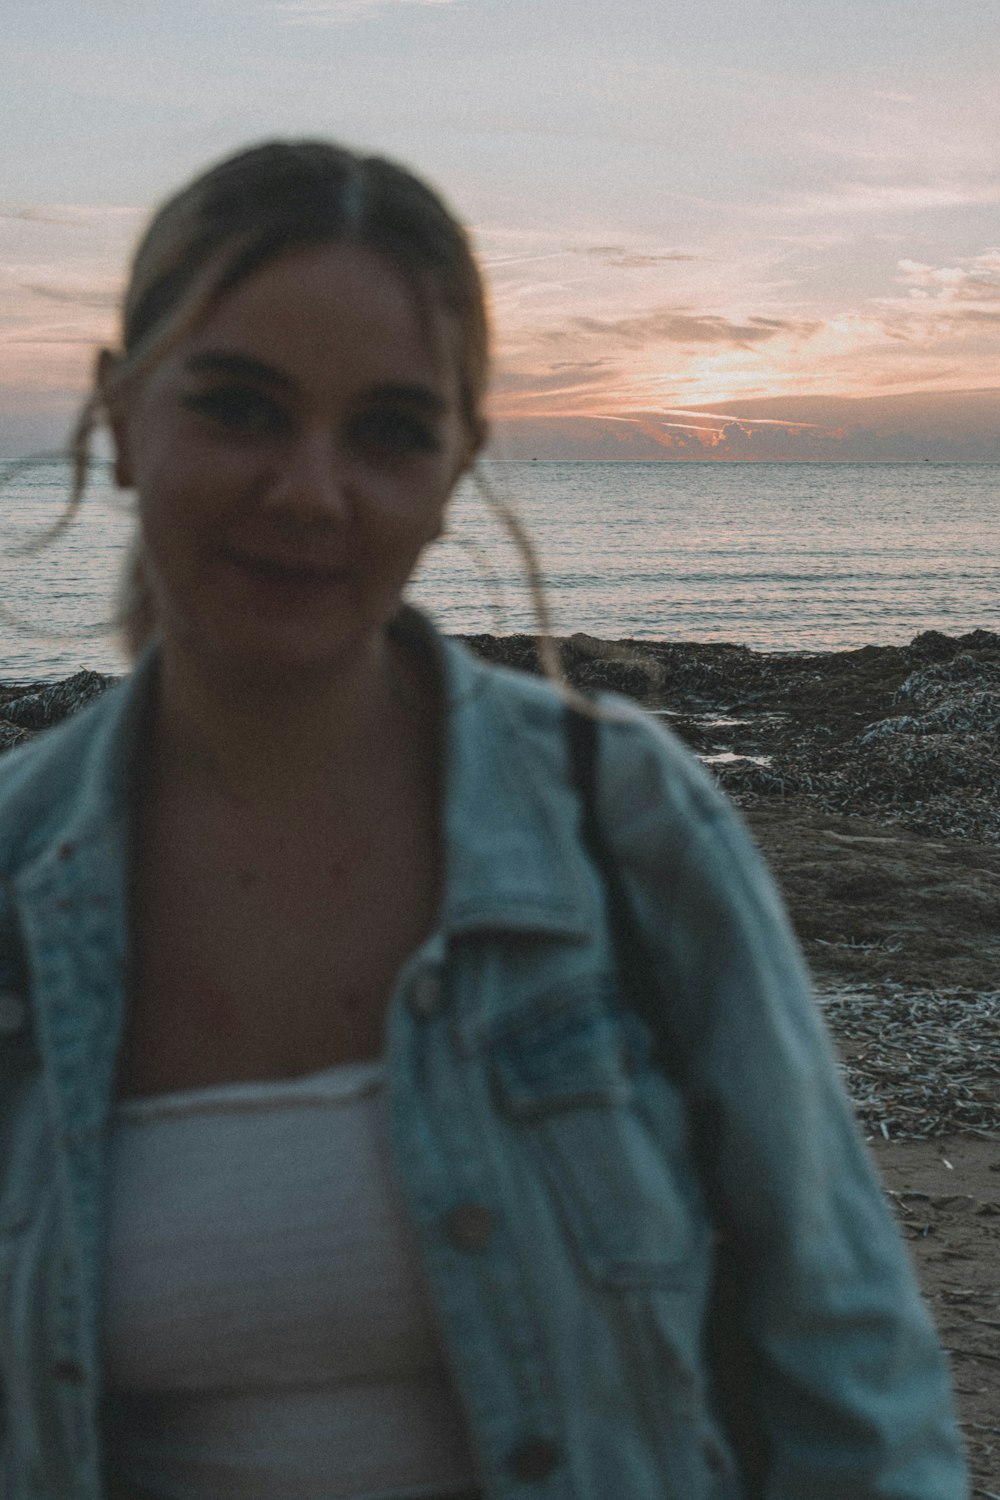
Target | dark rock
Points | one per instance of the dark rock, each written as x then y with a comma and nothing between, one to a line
933,645
46,705
980,640
12,734
904,734
630,678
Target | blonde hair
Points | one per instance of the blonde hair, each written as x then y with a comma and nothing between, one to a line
244,212
230,221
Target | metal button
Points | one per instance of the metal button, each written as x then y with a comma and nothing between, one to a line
470,1226
534,1459
13,1011
425,994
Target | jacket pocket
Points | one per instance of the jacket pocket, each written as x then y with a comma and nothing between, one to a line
576,1085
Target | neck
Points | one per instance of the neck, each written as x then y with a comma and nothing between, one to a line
275,742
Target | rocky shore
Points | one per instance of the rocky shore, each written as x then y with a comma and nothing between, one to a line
907,734
870,779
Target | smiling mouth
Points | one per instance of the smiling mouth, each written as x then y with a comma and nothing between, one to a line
284,567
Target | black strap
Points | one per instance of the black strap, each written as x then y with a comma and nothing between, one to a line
631,954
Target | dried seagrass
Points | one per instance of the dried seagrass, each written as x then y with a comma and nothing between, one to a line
918,1064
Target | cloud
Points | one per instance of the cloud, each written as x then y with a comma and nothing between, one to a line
619,255
332,12
977,315
942,302
677,326
50,336
71,214
84,296
561,378
871,431
973,278
726,417
857,198
519,260
32,215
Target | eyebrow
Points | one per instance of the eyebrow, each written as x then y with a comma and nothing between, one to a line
217,362
413,395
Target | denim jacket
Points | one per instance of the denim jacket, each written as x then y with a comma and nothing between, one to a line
545,1162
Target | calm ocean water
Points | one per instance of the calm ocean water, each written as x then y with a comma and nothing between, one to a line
780,557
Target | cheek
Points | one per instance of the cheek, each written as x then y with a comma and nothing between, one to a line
409,515
164,515
181,488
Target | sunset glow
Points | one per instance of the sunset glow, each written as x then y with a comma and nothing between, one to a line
771,234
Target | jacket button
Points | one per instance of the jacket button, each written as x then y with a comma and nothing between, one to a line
534,1459
425,994
469,1226
70,1370
13,1011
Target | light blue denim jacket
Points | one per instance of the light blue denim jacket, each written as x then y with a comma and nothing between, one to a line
546,1164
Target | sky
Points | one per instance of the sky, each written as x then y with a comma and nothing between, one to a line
717,229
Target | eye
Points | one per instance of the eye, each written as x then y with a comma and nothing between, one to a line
391,436
239,409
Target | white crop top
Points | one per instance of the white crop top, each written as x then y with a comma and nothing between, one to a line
266,1331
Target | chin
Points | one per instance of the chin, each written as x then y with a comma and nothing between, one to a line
265,652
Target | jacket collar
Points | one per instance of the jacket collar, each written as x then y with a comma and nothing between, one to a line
512,855
64,791
512,852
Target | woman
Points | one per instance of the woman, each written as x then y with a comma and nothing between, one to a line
336,1159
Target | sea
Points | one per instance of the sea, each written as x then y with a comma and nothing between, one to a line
775,556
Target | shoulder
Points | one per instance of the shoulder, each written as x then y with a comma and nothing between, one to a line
62,768
699,886
643,769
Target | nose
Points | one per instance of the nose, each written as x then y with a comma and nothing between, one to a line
312,479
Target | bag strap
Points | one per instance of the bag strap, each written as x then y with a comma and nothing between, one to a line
630,950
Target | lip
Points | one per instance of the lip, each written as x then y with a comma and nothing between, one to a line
281,567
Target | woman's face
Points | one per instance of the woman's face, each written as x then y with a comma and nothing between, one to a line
292,458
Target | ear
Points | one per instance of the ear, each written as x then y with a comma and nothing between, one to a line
105,370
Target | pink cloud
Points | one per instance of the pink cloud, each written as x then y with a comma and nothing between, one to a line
960,427
681,326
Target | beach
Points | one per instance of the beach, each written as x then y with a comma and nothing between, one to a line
869,779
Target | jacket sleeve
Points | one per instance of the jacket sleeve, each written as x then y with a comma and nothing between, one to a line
853,1388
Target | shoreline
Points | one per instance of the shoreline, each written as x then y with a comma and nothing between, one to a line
515,647
905,734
